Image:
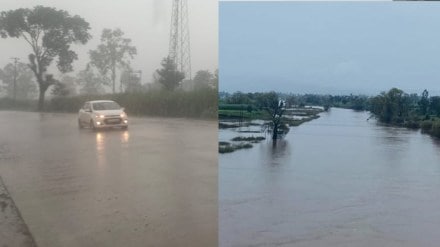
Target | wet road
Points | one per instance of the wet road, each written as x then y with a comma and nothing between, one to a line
152,185
335,181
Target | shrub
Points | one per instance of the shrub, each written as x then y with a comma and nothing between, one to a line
435,130
194,104
426,125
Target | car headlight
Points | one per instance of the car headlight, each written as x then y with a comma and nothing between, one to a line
123,115
100,116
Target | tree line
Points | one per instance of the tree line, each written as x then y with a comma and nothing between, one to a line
393,107
50,33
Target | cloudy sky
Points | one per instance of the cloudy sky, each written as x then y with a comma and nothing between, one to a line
329,47
146,22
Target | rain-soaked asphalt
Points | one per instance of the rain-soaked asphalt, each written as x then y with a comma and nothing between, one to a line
152,185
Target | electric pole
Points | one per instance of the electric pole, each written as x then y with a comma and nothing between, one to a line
15,76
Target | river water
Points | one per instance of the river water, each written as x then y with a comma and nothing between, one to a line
339,180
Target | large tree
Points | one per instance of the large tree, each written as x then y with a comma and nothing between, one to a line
24,87
50,33
131,81
90,82
203,79
168,75
66,86
275,107
392,106
114,52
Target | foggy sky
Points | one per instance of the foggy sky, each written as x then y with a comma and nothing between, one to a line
336,48
146,22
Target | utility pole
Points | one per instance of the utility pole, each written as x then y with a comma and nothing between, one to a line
15,76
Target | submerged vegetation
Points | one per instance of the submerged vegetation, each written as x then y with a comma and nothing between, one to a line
272,107
249,138
226,147
239,142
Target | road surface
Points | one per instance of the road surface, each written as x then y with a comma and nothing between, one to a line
152,185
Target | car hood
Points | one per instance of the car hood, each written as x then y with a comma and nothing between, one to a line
109,112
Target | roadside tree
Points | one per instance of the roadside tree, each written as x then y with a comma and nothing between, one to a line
25,86
168,76
89,82
50,33
203,79
114,52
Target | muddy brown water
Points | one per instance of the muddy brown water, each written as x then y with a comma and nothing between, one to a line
152,185
339,180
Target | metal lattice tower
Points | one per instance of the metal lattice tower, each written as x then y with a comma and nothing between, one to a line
179,50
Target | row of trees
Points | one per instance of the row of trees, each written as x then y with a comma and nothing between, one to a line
392,107
357,102
396,106
50,33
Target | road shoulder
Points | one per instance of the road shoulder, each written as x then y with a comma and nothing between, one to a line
13,230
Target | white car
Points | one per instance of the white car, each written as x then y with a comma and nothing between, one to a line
102,114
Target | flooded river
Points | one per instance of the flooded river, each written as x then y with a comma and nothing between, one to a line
339,180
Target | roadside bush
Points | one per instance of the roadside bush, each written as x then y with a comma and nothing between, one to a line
194,104
24,105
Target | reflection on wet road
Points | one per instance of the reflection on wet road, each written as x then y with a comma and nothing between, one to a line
336,181
154,184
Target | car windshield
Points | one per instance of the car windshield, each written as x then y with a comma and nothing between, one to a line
100,106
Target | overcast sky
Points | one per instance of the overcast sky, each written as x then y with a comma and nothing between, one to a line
330,47
146,22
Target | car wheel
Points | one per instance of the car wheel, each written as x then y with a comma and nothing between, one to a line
92,126
80,124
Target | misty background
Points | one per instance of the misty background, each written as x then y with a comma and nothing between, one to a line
146,23
329,48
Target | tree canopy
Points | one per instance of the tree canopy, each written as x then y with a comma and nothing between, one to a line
203,78
90,82
114,52
50,33
25,86
168,75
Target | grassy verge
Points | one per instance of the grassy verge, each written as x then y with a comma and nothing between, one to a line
194,104
18,105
